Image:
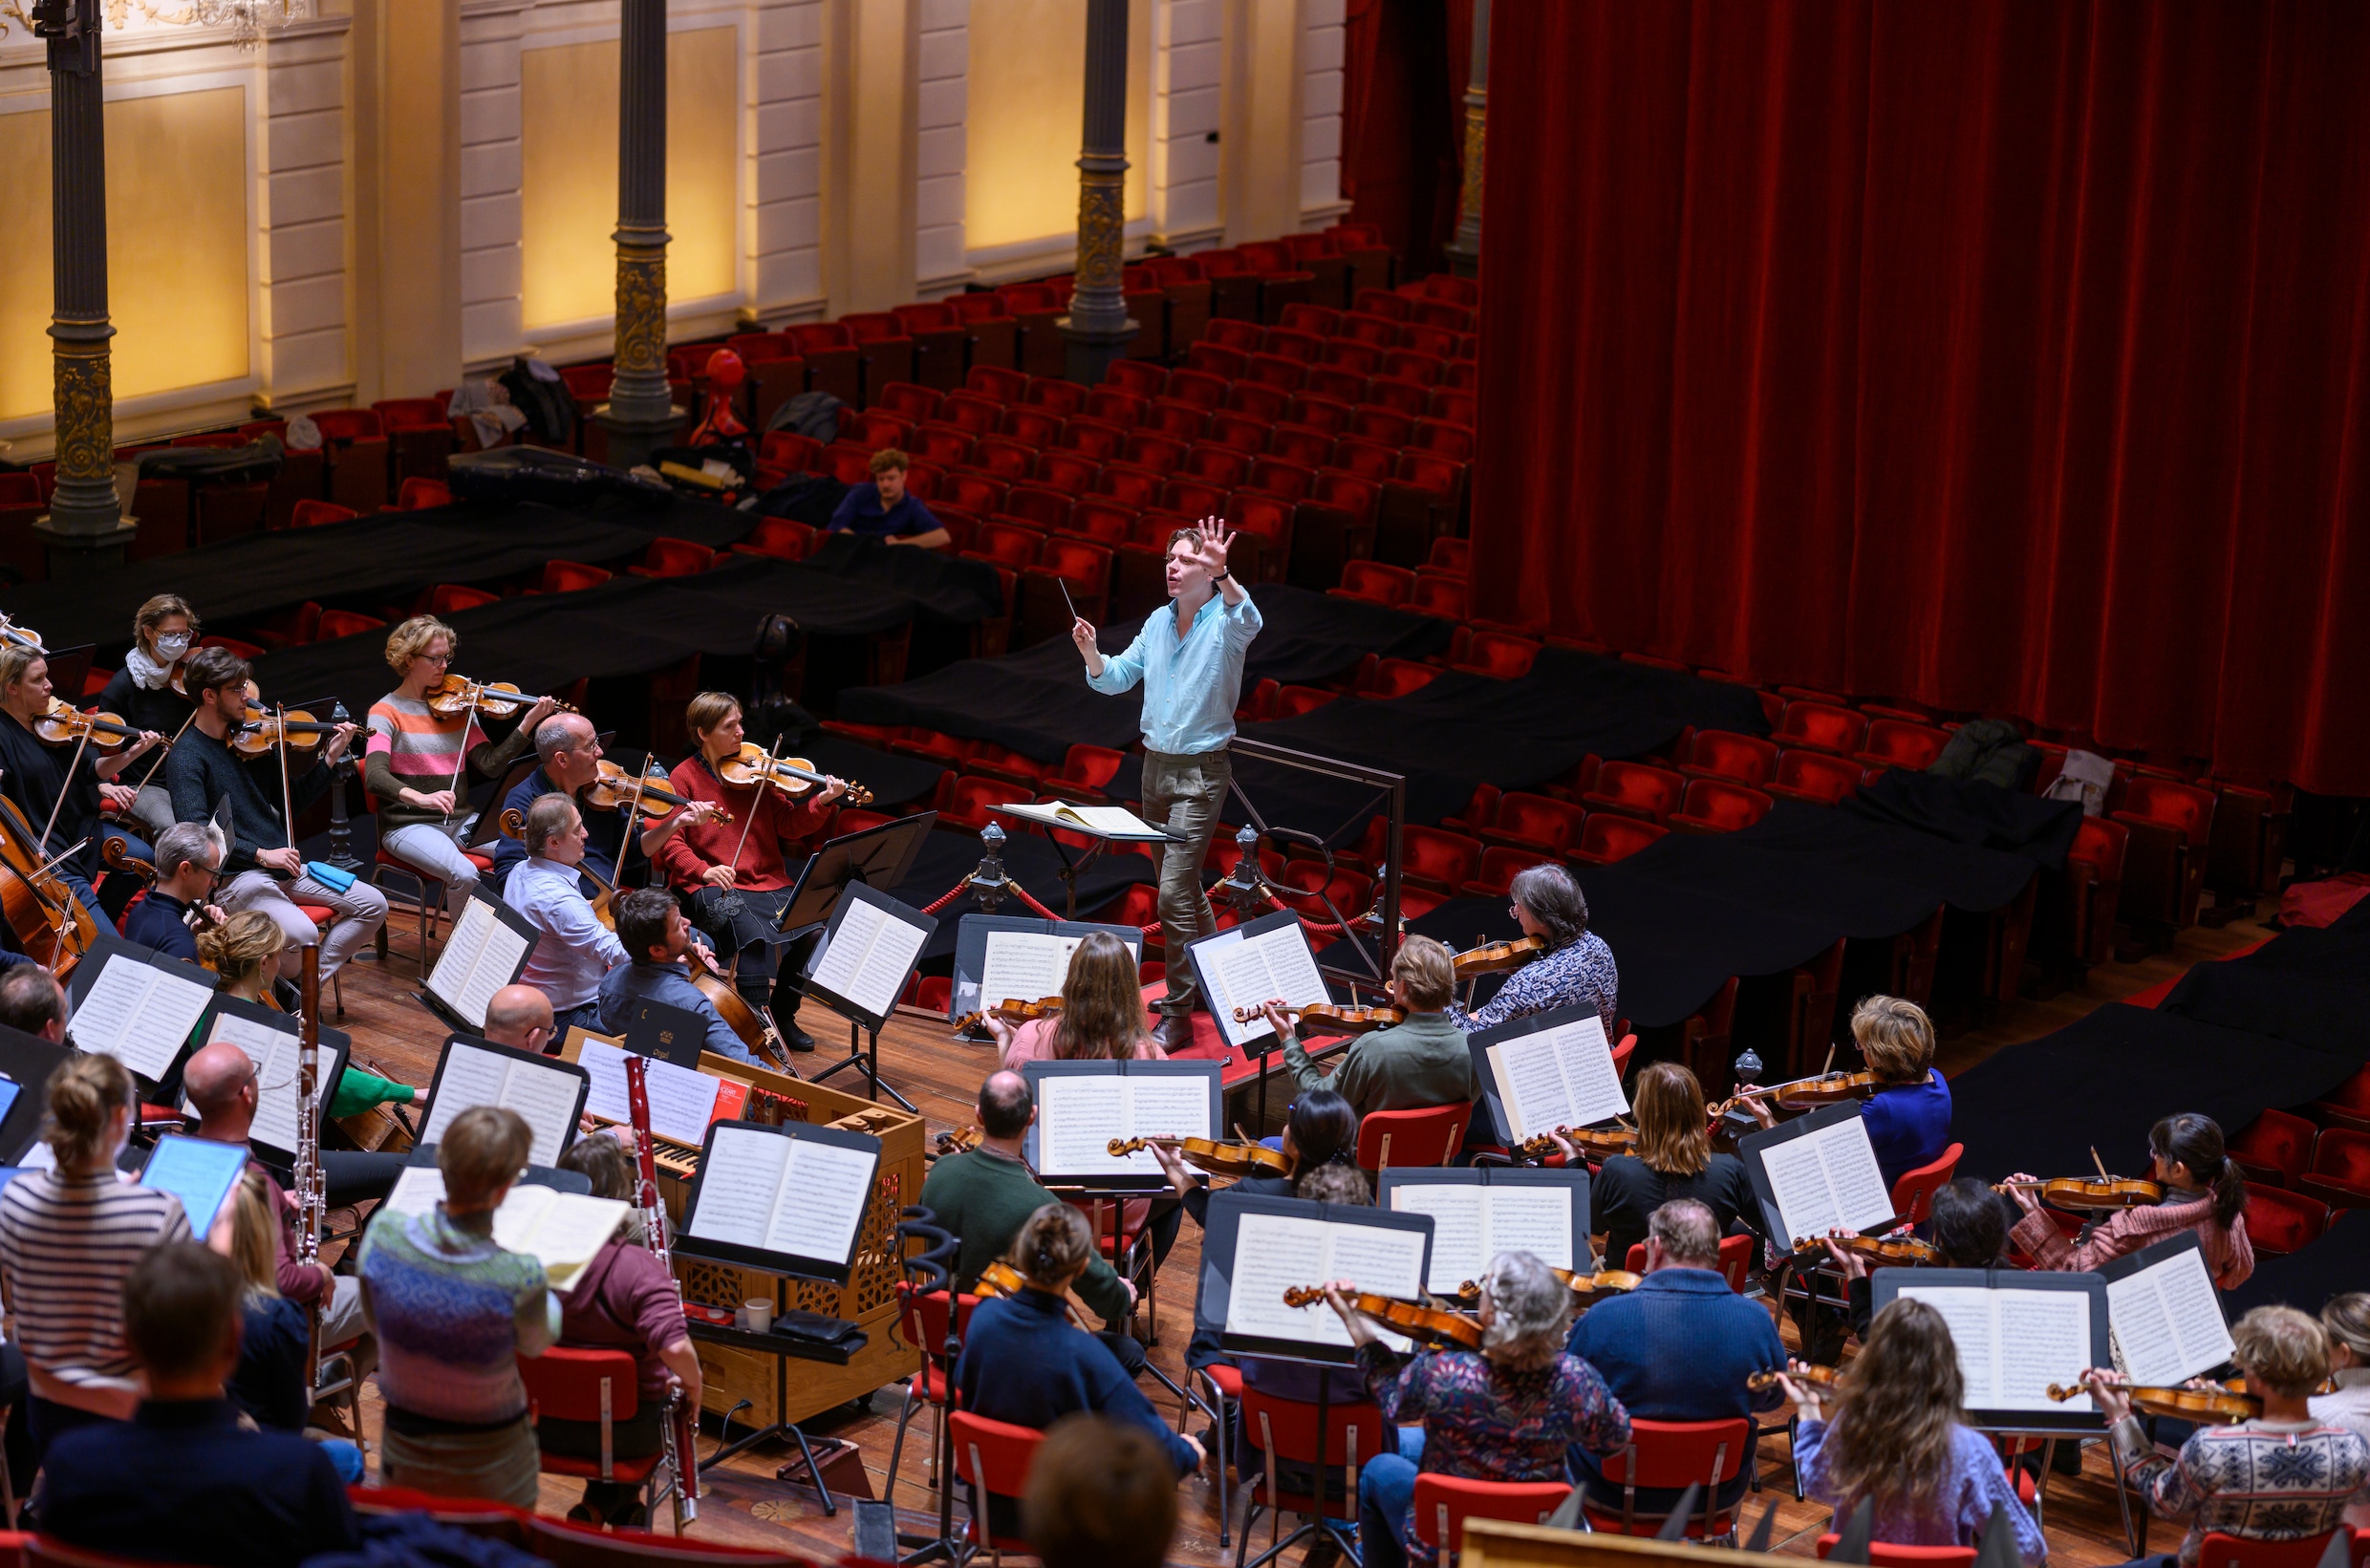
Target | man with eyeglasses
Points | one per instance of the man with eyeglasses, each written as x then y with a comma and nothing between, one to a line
188,865
570,753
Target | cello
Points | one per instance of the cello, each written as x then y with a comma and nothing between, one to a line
51,924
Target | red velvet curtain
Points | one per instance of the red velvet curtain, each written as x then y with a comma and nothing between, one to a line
1404,67
2003,354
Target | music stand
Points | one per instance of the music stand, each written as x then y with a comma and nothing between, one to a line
27,1060
865,1014
878,857
1103,838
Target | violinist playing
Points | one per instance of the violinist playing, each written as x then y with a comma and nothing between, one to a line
569,751
188,865
1908,1117
1970,1231
2204,1191
163,630
1407,1067
1674,1160
732,862
1102,1016
1578,966
417,761
61,789
266,872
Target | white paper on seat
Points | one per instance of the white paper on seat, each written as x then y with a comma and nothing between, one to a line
1276,1252
1472,1225
2013,1344
794,1196
681,1102
1827,1180
138,1013
2166,1320
545,1096
1559,1076
479,958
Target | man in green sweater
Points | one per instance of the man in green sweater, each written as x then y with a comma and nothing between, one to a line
1409,1067
984,1195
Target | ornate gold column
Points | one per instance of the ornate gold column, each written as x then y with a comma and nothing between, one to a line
640,415
1464,251
85,529
1098,328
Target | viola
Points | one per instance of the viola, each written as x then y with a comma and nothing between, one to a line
1328,1017
2092,1194
1218,1158
793,776
1495,957
1429,1326
1900,1252
455,694
1586,1286
65,724
51,924
1012,1010
612,788
2205,1401
1806,1093
1802,1377
1600,1143
959,1140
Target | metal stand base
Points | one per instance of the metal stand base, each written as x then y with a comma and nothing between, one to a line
630,442
791,1433
866,1060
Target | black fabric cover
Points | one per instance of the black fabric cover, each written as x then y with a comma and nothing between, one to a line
2336,1262
369,560
942,587
1971,811
2307,988
893,777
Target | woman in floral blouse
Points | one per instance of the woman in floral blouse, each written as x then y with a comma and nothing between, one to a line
1576,967
1504,1415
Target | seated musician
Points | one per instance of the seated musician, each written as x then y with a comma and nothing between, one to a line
1507,1412
1102,1016
1680,1346
2345,1318
657,940
1970,1231
734,865
60,791
1576,967
1908,1117
573,950
266,872
32,999
417,763
520,1016
141,693
888,511
1407,1067
1022,1361
275,1335
1674,1160
1102,1494
188,865
256,1499
569,754
1899,1437
243,950
623,1300
2204,1191
985,1194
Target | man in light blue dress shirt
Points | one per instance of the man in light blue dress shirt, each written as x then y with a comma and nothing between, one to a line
1189,661
573,950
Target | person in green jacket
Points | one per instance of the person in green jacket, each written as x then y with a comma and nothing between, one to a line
1409,1067
985,1194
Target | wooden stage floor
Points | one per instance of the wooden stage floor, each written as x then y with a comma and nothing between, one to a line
747,1506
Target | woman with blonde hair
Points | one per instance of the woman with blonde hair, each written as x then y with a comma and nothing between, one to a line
1898,1437
245,951
1908,1116
1102,1016
1674,1160
270,1381
2346,1321
417,763
68,1236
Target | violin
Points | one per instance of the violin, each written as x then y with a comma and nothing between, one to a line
793,776
455,694
262,730
999,1279
2092,1194
1806,1093
2203,1400
21,636
51,924
1328,1017
64,724
1603,1282
959,1140
1494,957
1429,1325
612,788
1210,1154
1012,1010
1900,1252
1600,1143
1803,1377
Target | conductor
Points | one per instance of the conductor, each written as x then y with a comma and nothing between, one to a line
1191,664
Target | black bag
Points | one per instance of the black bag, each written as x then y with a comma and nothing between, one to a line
803,498
550,408
814,415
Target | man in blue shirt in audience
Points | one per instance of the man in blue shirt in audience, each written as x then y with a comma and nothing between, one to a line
887,511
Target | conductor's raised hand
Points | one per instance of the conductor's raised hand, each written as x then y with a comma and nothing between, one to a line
1210,549
1082,634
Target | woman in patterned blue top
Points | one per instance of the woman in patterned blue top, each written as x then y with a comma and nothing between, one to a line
1576,966
1506,1413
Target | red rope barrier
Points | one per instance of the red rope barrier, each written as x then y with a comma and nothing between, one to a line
959,888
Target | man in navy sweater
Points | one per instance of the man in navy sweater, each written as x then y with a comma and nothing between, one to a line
1678,1347
181,1480
188,865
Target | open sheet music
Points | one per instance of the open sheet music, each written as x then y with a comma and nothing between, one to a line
547,1093
1276,1252
867,952
565,1231
1246,967
138,1013
1558,1076
1025,965
1472,1224
1079,1114
2165,1314
480,957
1821,1177
1105,821
274,1047
682,1102
2013,1343
794,1197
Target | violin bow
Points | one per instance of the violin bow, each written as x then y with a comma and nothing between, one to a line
288,810
60,804
168,751
757,800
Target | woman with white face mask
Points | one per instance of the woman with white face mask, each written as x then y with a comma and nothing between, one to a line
141,695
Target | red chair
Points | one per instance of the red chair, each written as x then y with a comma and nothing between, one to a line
674,558
2348,1104
797,453
1354,1432
1041,505
1112,406
602,1388
1150,450
450,598
1913,1191
1137,375
345,623
1894,743
1821,728
1450,555
314,514
1499,655
1436,859
973,799
1813,777
780,537
992,1458
1318,412
909,400
1712,807
1006,544
1443,1503
1736,1251
1173,418
1218,464
1292,701
1087,771
1071,472
1396,678
419,494
921,1322
2275,1147
1384,426
2220,1550
1429,1136
1498,868
1199,388
2094,886
2279,1221
973,411
1739,758
2340,1171
2172,827
1885,1555
1671,1454
1538,822
1637,789
1371,582
1606,838
1438,595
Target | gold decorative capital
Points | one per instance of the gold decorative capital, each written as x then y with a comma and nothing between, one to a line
85,410
1102,229
641,309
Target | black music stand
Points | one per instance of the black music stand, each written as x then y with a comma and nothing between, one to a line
864,1017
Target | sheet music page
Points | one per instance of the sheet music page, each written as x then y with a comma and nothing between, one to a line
886,963
522,1210
1023,965
1532,1219
1293,965
1532,1085
2166,1322
681,1102
1391,1262
565,1232
472,1077
1861,1196
419,1189
1459,1231
1797,1180
1111,819
478,960
1243,981
1162,1106
1967,1310
1272,1254
140,1015
1077,1117
275,1052
823,1191
1586,1057
2044,1337
547,1100
739,1180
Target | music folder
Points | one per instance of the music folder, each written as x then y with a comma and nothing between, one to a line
1545,1071
1019,958
2163,1312
1478,1211
1250,964
877,857
865,954
669,1033
1816,1173
1082,1106
2017,1333
485,951
272,1041
26,1062
787,1199
137,1005
545,1090
1254,1248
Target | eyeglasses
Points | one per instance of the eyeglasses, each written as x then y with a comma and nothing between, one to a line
436,659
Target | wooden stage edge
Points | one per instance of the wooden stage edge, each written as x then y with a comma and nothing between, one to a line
748,1506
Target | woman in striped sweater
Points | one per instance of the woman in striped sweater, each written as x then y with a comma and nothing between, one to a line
2204,1191
68,1236
412,762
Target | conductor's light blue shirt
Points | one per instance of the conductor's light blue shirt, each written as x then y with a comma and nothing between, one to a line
1190,683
